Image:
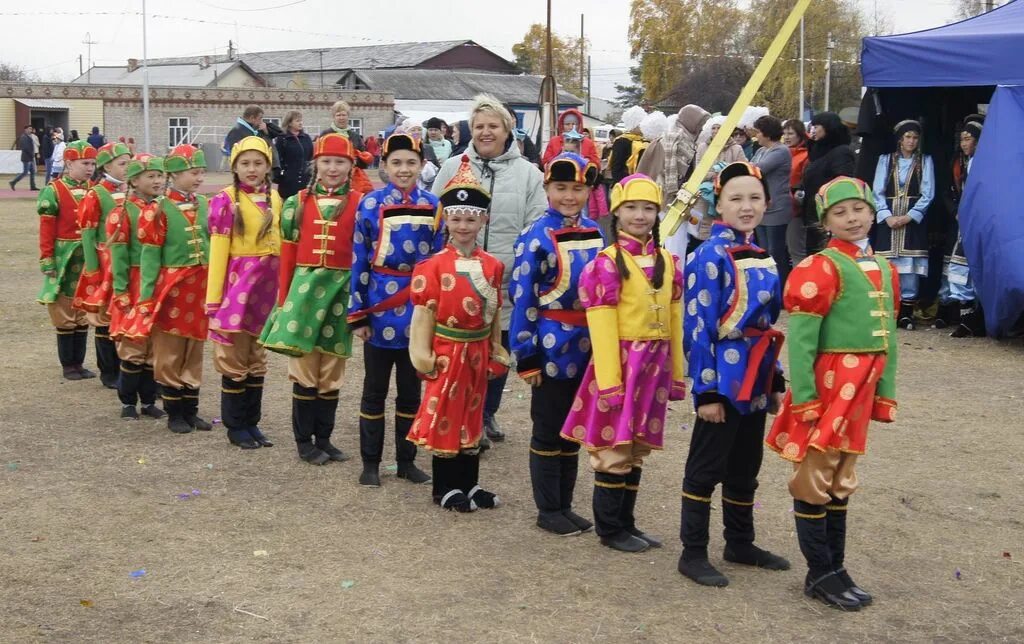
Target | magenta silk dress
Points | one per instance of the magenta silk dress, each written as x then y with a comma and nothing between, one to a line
250,290
646,367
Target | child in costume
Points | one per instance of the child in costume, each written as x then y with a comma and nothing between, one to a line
395,229
309,324
61,256
548,332
170,309
245,249
456,344
94,286
842,357
136,383
904,189
733,296
632,296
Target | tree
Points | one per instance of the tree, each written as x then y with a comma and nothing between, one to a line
713,87
969,8
632,94
566,62
674,40
780,91
9,72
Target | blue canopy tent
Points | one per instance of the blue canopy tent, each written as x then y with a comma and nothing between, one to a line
939,76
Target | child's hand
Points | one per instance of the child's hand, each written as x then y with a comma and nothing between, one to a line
712,413
776,404
363,333
533,381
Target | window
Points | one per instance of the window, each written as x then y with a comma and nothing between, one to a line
276,120
356,124
178,129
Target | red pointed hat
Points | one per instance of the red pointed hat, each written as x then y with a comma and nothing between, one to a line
333,145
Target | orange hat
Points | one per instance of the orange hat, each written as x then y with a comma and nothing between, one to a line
79,150
333,145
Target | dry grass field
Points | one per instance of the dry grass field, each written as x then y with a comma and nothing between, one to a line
269,549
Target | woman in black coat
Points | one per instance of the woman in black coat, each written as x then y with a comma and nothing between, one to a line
295,151
830,156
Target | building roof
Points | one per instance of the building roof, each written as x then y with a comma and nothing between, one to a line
391,56
190,74
439,84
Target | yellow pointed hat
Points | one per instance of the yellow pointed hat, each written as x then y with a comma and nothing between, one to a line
251,143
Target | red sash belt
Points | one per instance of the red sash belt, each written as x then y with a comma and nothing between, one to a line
393,301
574,318
767,339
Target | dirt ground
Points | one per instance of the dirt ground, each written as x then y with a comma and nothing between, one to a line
270,549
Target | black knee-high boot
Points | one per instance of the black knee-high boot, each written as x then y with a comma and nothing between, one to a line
254,409
738,517
66,353
405,450
569,465
836,528
304,414
106,357
174,405
470,482
128,389
609,493
233,413
905,317
694,528
81,344
821,582
546,479
449,476
629,508
326,411
148,393
371,447
190,407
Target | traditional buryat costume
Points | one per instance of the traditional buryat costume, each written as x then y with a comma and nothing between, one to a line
240,292
549,338
733,297
61,259
456,344
95,285
842,356
309,323
618,413
394,231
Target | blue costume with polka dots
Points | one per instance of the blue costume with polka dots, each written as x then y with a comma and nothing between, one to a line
733,297
393,231
547,331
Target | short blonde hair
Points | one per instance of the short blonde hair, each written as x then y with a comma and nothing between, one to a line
289,118
340,105
487,104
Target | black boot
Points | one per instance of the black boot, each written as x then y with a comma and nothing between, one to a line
629,506
148,392
609,490
948,316
694,525
972,321
304,413
836,529
469,465
326,410
106,357
405,450
254,410
905,317
66,354
81,344
233,413
190,406
738,516
821,583
569,462
371,446
545,476
128,389
174,405
447,491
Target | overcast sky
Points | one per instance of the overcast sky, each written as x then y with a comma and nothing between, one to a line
46,38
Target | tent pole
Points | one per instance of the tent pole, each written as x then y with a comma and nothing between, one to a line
802,108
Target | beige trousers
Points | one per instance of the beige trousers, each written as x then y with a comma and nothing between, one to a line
320,371
245,356
620,459
65,317
177,361
822,475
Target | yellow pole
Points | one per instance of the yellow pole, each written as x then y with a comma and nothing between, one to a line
688,194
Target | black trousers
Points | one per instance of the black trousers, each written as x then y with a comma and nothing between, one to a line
729,453
495,388
554,461
378,364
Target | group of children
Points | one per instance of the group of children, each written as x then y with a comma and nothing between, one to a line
605,331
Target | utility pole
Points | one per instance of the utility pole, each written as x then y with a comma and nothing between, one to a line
801,117
828,69
321,52
582,57
589,88
80,72
548,91
145,85
89,42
